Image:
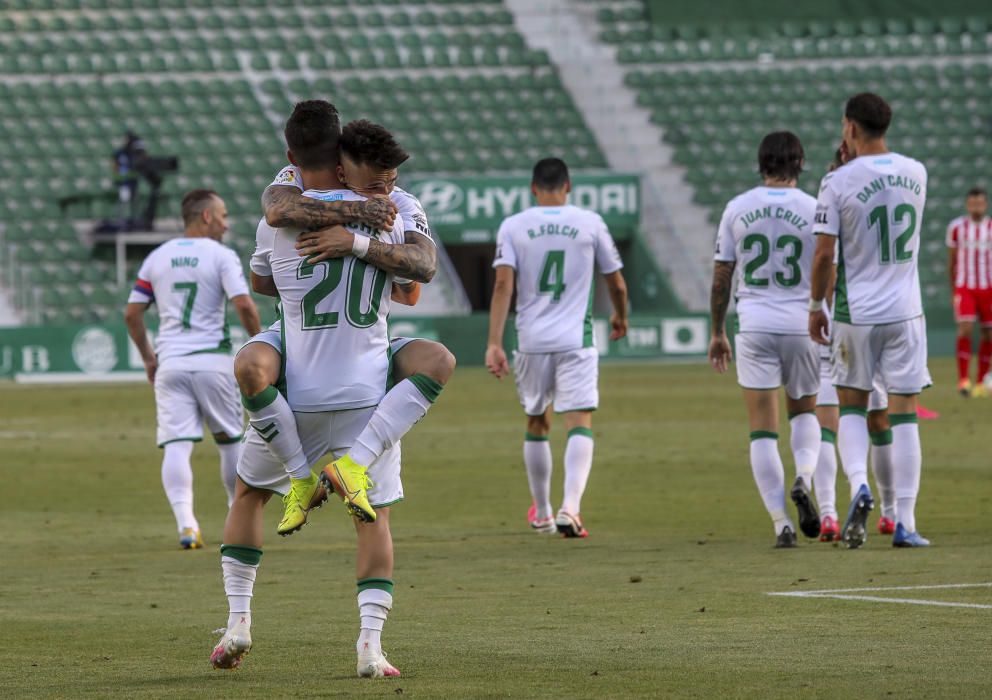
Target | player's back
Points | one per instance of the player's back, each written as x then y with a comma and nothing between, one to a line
768,231
555,252
334,312
875,205
191,279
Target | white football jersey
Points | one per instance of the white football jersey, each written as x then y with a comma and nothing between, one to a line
335,342
410,210
190,279
874,206
555,252
768,233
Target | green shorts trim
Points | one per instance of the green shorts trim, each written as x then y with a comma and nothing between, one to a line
230,440
184,439
388,503
577,410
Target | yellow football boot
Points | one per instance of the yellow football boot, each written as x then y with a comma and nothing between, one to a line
350,480
190,539
304,495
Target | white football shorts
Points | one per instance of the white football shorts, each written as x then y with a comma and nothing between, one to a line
827,396
184,400
770,360
328,433
570,379
272,336
896,352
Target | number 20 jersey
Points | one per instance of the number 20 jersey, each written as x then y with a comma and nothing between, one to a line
874,206
768,233
555,251
336,345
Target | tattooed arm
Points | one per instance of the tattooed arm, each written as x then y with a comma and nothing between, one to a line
285,206
415,259
723,281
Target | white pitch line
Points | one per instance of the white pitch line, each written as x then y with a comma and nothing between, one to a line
889,588
842,594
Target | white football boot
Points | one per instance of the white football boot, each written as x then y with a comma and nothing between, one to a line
372,664
232,647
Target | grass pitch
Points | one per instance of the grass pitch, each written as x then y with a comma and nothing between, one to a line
667,598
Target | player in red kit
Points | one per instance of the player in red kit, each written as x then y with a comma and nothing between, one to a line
969,240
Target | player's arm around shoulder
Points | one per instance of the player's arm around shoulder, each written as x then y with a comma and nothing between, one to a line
284,206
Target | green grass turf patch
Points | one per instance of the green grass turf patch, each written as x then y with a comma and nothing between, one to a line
96,599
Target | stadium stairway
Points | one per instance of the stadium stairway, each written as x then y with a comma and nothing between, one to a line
676,229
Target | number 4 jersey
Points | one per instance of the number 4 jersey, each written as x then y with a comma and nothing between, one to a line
874,206
335,340
555,251
768,233
189,280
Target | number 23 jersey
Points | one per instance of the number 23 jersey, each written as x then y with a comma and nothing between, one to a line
874,206
768,233
336,344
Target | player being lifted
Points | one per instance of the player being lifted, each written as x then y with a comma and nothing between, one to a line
766,236
190,279
872,209
368,165
553,250
969,240
335,315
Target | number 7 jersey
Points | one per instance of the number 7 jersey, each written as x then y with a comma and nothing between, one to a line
335,340
768,233
874,206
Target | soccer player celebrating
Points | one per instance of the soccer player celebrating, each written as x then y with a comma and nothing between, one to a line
551,251
770,230
190,279
368,165
334,316
871,210
969,240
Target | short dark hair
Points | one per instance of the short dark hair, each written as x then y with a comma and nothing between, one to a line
371,144
870,112
194,202
312,133
781,155
978,192
550,174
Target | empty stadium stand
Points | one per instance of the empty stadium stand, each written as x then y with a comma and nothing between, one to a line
211,82
716,88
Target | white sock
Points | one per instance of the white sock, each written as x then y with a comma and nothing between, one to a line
239,581
804,439
374,605
229,455
907,458
825,476
852,440
881,464
769,475
177,478
272,418
537,461
400,409
578,464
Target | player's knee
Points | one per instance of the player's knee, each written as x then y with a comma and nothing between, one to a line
538,425
442,364
965,329
251,374
878,421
